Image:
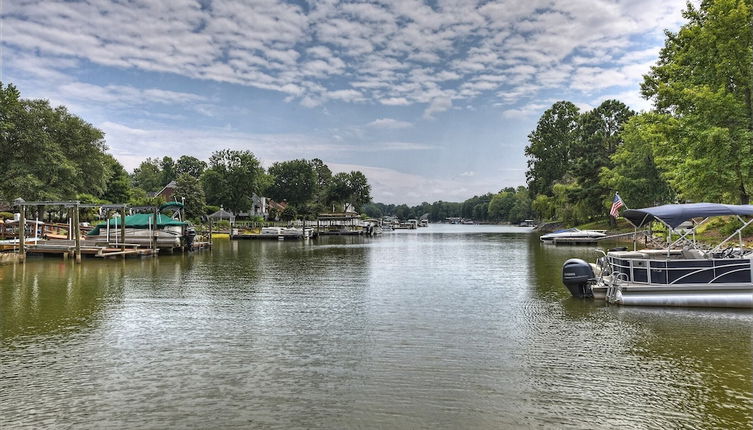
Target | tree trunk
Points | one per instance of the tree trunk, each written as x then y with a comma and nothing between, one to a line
744,197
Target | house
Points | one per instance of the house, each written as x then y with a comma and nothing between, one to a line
260,206
167,192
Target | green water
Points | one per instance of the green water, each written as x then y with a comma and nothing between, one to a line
445,327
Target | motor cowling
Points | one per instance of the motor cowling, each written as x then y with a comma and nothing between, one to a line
577,275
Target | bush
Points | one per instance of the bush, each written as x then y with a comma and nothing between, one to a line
6,215
289,214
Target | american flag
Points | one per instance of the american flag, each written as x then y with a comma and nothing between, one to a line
616,205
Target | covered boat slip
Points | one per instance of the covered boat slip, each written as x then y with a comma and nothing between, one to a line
140,234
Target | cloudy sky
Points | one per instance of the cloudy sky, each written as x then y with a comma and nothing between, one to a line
430,99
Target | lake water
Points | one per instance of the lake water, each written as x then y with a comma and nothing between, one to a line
444,327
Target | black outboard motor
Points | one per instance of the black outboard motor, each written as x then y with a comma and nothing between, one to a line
190,236
576,275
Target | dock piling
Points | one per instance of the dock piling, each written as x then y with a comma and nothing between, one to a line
22,234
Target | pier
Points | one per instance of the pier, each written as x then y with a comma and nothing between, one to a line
121,236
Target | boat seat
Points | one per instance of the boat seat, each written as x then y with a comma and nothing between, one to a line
628,254
694,254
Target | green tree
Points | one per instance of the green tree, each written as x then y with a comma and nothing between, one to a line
148,176
634,173
598,138
350,188
500,205
549,147
294,181
323,178
189,188
288,214
702,89
231,179
190,165
169,173
48,153
118,184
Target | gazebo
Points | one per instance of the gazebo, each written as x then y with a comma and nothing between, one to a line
222,214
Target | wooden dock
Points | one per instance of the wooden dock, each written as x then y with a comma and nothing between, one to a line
66,250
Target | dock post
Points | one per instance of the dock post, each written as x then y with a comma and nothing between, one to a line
154,229
77,232
122,229
22,234
210,232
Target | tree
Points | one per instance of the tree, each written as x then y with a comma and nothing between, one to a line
167,166
190,165
598,138
288,214
48,153
189,188
323,178
350,188
294,181
635,173
148,176
500,205
231,179
550,146
118,184
702,89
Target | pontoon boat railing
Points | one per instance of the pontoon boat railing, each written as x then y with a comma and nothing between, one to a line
663,275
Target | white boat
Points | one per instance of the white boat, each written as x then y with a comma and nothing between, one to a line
573,233
286,232
683,273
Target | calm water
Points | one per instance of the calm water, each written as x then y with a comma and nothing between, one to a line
445,327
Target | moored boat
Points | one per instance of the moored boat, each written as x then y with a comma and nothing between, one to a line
683,273
573,233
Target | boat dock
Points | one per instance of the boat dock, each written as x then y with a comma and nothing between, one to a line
71,240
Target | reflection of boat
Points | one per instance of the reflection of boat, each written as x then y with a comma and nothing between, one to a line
681,274
573,234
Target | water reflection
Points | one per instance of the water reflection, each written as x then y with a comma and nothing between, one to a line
449,327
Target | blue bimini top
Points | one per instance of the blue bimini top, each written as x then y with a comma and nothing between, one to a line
674,215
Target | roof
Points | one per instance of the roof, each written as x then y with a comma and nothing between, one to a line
170,186
137,221
674,215
222,214
277,205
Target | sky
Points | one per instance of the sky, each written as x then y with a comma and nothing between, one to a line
432,100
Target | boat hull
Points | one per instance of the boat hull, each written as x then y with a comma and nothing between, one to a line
718,296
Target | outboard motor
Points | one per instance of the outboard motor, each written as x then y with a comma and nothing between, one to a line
190,236
576,275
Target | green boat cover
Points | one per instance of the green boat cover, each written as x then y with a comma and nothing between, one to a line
176,205
137,221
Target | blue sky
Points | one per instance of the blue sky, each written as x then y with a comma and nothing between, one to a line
432,100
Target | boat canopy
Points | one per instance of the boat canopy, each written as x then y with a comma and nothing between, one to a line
137,221
175,205
674,215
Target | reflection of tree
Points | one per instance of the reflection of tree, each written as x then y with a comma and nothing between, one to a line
706,355
46,297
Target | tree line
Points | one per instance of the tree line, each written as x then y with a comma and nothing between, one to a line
696,144
49,154
508,205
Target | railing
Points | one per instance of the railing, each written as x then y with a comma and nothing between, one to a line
681,271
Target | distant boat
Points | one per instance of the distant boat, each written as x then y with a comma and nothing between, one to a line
573,233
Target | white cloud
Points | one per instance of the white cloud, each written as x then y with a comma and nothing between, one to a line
394,186
389,123
392,52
